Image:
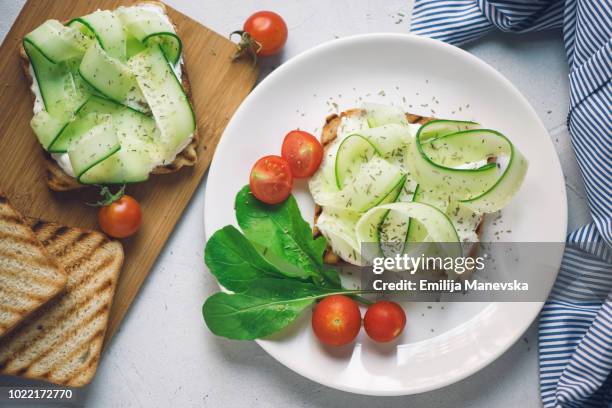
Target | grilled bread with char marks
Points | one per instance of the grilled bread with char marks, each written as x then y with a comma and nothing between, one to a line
29,275
61,342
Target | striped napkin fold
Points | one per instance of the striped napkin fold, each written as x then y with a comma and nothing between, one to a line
575,331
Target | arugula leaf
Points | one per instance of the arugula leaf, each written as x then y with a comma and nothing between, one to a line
268,306
242,317
281,229
234,261
275,270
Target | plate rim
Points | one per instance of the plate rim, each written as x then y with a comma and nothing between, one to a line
344,41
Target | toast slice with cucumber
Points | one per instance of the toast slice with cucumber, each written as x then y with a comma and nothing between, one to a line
59,180
61,342
329,133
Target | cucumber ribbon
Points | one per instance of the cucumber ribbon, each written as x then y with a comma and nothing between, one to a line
440,229
441,146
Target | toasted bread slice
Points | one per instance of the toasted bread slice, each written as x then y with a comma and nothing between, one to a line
29,275
328,135
61,342
59,180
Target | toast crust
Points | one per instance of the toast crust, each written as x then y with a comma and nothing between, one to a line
58,180
329,133
62,341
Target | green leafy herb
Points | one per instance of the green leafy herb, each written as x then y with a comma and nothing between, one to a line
275,270
281,229
234,261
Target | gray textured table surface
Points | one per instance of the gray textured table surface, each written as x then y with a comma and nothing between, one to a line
164,356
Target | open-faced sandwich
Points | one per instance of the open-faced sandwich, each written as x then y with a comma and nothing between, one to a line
111,96
393,177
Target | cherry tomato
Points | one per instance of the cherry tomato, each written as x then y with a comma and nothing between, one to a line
303,152
121,218
336,320
269,30
384,321
271,180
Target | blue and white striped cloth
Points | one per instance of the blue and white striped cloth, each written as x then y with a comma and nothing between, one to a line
575,333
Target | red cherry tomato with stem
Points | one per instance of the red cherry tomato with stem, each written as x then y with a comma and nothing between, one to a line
120,215
303,152
263,33
336,320
384,321
271,180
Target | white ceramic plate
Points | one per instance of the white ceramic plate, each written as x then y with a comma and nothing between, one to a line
442,343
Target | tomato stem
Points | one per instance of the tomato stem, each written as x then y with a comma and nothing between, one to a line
247,46
107,197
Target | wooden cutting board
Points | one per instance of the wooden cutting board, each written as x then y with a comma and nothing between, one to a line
218,87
